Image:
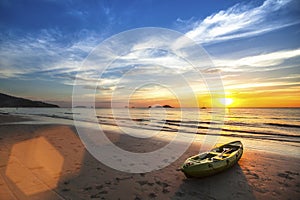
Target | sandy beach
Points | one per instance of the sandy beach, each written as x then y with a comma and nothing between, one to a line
129,100
50,162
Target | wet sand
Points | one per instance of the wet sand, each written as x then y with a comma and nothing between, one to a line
50,162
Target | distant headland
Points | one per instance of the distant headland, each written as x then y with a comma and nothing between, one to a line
11,101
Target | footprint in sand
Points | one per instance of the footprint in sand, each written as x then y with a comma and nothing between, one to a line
107,182
285,175
103,192
123,178
179,194
99,194
99,187
88,188
150,184
254,175
66,182
163,184
152,195
165,190
142,182
284,184
93,196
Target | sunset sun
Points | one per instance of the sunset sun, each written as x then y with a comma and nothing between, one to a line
226,101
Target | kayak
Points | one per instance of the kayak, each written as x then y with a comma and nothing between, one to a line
216,160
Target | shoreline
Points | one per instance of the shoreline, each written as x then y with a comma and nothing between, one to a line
275,146
69,171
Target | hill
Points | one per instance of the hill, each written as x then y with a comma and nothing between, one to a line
11,101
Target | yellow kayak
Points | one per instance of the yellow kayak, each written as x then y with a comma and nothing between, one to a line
216,160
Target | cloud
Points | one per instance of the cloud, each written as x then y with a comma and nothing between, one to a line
241,21
44,57
262,62
250,86
43,54
252,73
134,62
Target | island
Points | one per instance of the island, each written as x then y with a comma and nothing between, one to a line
164,106
13,102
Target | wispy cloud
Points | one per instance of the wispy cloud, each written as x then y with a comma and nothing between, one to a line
43,57
252,85
42,54
264,74
242,21
262,62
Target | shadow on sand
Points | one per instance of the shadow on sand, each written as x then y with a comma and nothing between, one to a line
230,184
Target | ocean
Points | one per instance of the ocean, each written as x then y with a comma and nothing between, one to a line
275,130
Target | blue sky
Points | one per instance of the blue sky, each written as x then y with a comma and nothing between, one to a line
253,44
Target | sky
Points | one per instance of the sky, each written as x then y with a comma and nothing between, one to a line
252,46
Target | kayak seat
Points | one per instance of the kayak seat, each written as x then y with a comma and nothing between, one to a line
217,158
220,150
225,155
232,150
215,153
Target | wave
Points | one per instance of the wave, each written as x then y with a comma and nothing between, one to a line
226,133
71,113
199,125
240,129
251,137
284,125
235,130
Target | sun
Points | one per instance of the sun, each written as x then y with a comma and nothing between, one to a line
226,101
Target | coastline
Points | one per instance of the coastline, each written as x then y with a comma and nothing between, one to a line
70,172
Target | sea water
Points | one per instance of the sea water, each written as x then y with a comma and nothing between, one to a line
275,130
